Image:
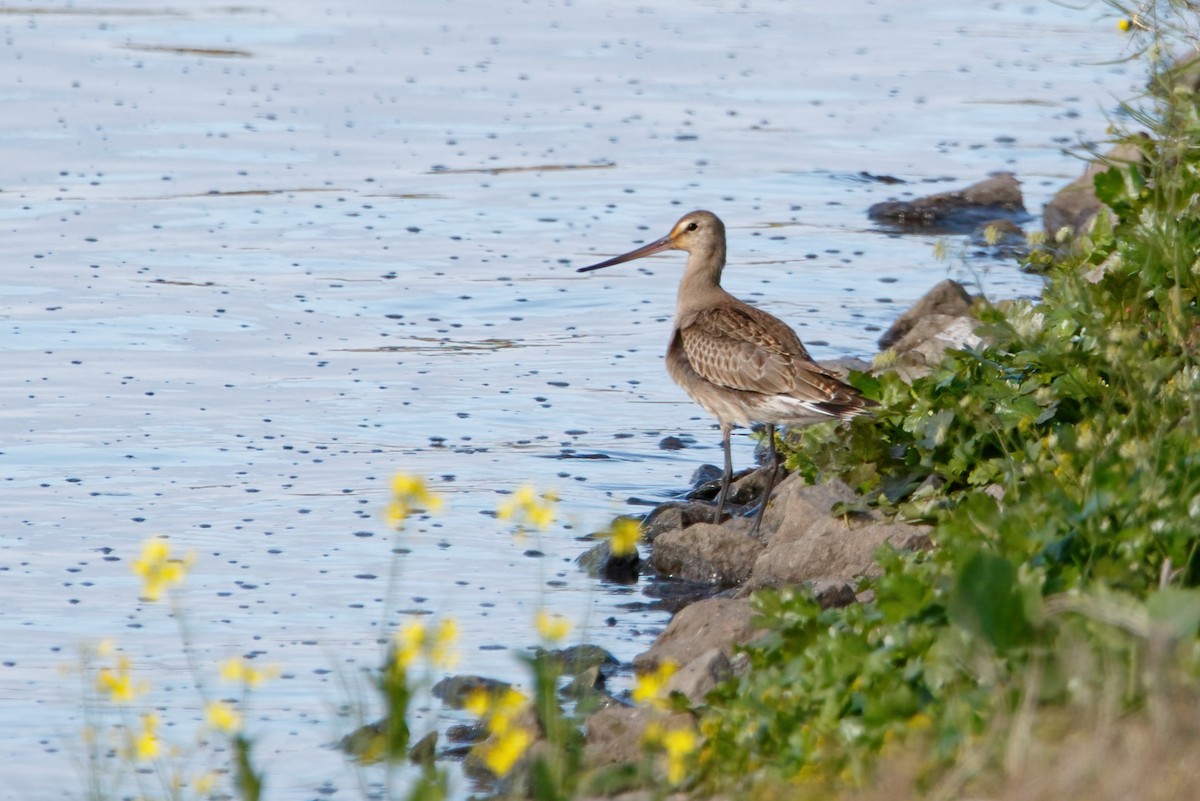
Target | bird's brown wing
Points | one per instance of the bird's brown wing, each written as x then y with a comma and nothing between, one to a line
748,349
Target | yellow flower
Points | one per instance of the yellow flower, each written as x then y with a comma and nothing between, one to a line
501,754
498,708
505,706
409,641
238,669
117,682
409,494
651,688
205,783
146,744
478,702
678,744
442,651
158,570
223,717
552,627
527,510
623,536
509,740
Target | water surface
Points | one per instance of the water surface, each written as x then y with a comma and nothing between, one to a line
260,258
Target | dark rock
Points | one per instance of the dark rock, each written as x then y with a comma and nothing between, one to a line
424,751
369,743
674,516
578,658
947,298
1072,211
671,444
468,733
453,690
709,490
600,562
1001,238
721,555
706,473
671,596
958,211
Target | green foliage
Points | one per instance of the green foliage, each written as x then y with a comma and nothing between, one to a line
1061,461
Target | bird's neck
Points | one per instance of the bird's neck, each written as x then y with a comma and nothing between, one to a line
701,283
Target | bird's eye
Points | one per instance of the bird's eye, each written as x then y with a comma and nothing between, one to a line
692,226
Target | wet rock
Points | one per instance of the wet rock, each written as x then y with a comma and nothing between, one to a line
424,751
722,555
1072,211
671,444
600,562
674,516
1002,238
704,474
466,733
806,545
671,596
716,623
709,490
453,690
369,744
585,684
578,658
947,299
958,211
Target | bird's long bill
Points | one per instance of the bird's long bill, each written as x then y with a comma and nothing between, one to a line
645,250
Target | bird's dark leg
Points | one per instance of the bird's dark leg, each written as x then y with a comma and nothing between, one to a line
727,476
772,470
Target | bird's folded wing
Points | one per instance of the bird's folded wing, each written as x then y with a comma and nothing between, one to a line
747,349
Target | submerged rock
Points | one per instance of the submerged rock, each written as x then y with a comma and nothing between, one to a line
958,211
454,690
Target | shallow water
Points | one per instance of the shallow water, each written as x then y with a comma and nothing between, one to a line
260,258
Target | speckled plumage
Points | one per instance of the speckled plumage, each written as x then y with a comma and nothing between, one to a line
739,363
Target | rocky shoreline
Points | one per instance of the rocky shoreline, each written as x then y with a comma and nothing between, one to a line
822,537
818,536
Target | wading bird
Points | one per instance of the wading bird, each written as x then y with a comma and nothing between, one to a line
739,363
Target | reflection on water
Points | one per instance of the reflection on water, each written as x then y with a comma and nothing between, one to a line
260,259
